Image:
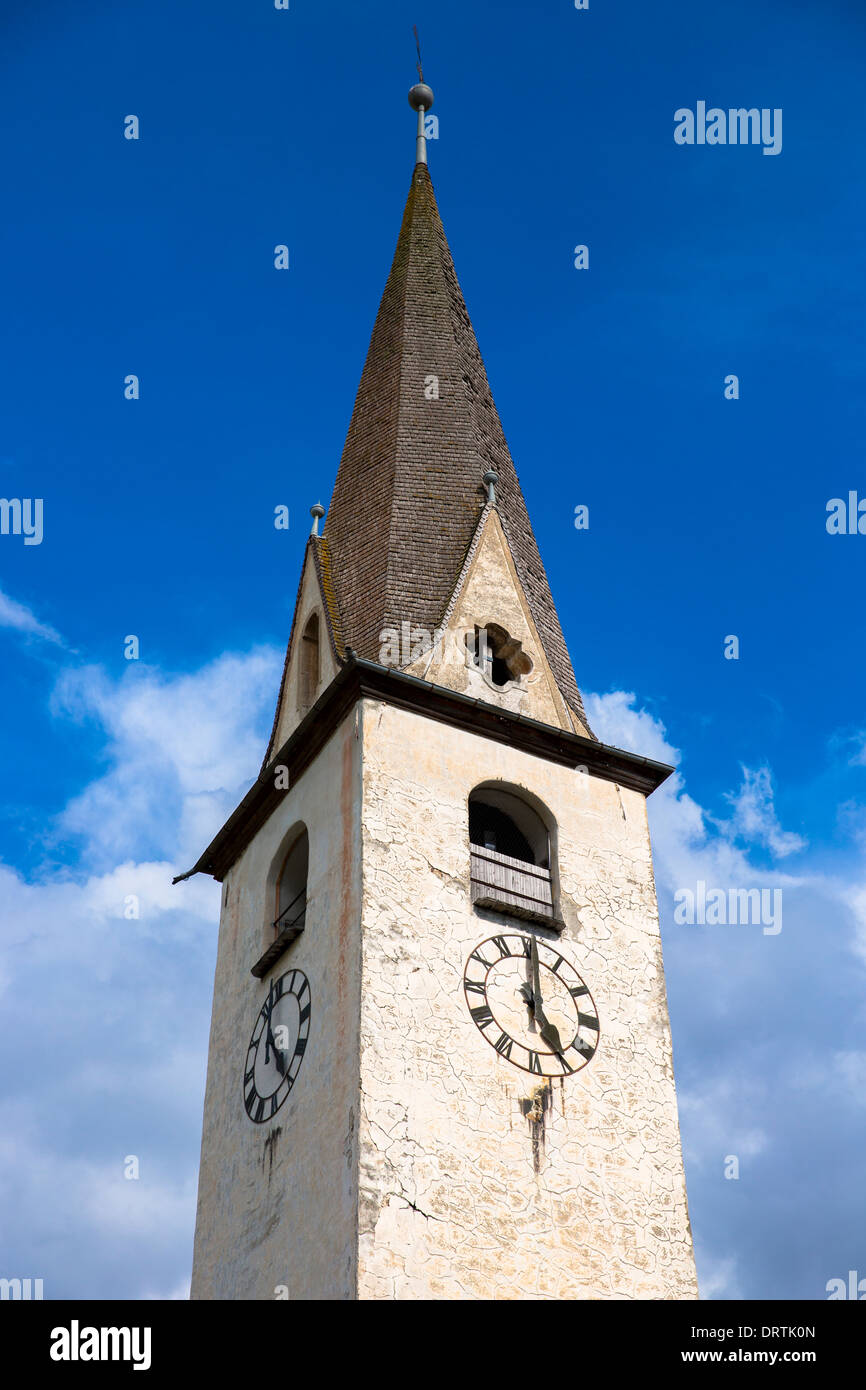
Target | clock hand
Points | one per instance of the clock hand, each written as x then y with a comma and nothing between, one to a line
536,983
270,1040
548,1031
279,1058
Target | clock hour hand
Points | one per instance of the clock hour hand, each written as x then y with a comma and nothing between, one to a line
548,1032
270,1042
531,993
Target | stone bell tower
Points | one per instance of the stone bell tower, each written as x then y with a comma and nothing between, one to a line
440,1059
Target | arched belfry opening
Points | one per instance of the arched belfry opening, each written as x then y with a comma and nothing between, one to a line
291,894
510,846
308,673
286,907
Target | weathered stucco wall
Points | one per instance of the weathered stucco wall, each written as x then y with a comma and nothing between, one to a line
478,1180
278,1202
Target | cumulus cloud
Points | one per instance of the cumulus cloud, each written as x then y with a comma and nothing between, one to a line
121,963
752,1016
688,843
179,751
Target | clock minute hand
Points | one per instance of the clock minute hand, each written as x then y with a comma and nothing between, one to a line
548,1031
536,982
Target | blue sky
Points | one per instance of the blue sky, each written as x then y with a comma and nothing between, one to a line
707,517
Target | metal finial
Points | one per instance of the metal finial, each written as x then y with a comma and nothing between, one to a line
418,49
491,478
420,99
316,513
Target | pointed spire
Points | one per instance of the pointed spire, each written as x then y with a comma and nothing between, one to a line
423,439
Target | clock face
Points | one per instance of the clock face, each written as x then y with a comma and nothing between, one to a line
531,1005
277,1046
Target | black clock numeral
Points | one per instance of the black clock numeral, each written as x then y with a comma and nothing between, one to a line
260,1111
482,960
275,1103
249,1073
577,991
502,946
300,1047
555,968
504,1045
534,1061
527,946
482,1015
566,1066
249,1098
587,1021
475,987
305,1014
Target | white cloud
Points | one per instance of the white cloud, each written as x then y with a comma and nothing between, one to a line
755,819
124,1000
850,1069
718,1277
181,752
688,844
715,1126
20,618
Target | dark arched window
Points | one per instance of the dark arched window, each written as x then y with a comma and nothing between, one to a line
286,901
308,674
510,848
291,903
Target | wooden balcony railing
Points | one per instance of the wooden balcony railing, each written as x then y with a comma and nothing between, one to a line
500,881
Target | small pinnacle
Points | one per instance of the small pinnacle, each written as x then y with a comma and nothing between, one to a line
491,478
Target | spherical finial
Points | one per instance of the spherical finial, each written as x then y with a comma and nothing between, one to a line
420,95
491,478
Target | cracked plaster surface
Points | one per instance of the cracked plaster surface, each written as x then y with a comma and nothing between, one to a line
469,1187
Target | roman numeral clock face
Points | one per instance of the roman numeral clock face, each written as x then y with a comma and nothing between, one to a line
531,1005
277,1046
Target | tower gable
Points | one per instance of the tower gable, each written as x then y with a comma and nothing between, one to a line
312,659
489,607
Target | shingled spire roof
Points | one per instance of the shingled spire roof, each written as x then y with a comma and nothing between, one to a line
409,490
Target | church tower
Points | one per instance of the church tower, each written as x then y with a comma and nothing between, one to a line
440,1059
